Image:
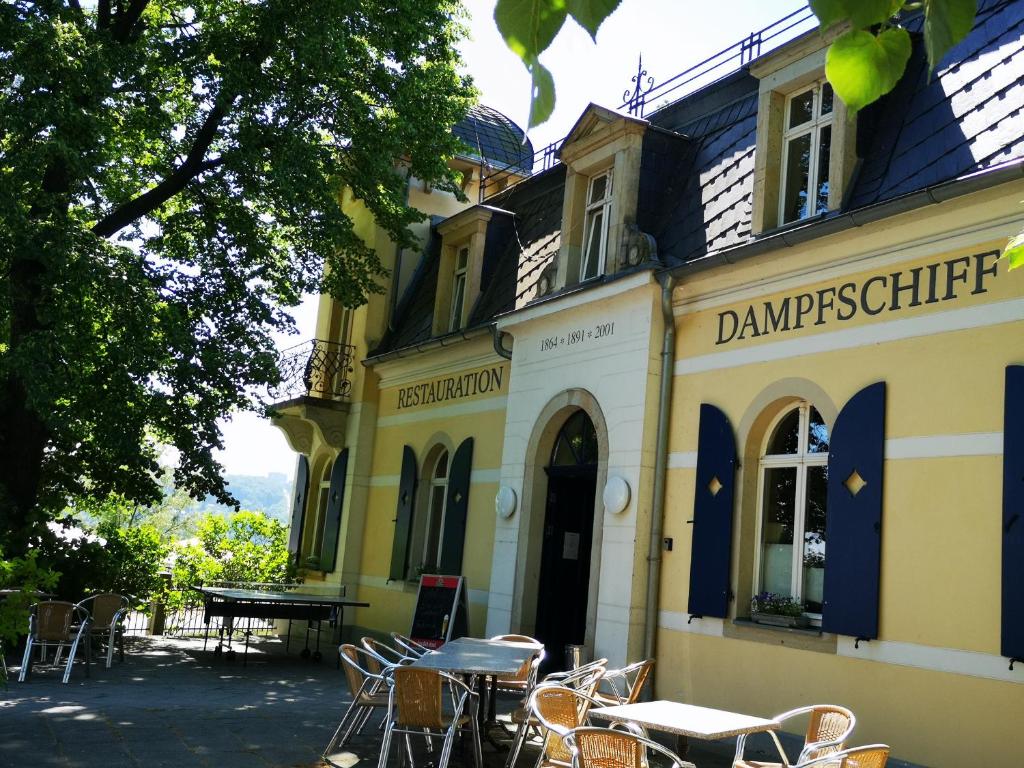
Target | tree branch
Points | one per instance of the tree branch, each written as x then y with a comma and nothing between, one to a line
194,164
128,18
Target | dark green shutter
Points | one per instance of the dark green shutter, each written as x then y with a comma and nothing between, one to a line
403,515
298,506
335,502
453,536
853,527
711,552
1013,515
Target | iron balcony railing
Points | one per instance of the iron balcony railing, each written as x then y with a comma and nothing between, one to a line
646,90
316,368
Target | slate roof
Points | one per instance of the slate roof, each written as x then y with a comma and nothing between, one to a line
493,138
695,193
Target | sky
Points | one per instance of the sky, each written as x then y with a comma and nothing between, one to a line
672,35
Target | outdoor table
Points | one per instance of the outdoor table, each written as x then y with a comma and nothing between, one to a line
686,721
484,659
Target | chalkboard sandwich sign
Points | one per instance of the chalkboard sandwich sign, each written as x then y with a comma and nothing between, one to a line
442,611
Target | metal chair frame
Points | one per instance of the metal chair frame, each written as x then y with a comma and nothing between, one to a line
415,649
75,625
572,737
553,732
114,630
632,678
374,676
460,694
811,749
385,653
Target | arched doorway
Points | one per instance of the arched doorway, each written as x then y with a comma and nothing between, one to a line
564,583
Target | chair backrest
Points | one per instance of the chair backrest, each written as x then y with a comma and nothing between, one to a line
869,756
360,667
524,673
559,709
626,684
384,653
613,748
105,607
828,723
417,693
410,645
584,678
53,621
606,748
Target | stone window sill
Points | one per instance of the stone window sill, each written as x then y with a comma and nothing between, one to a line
810,639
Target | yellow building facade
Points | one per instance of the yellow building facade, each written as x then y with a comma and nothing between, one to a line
734,384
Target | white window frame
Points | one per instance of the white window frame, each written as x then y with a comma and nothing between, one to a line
459,275
435,483
813,127
801,460
592,208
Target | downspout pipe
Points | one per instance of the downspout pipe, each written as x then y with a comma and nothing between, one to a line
668,358
499,346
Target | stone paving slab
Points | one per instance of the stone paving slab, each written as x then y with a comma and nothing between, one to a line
172,704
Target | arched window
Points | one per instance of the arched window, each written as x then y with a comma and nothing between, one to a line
316,545
425,548
793,482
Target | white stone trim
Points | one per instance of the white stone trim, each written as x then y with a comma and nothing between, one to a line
445,412
682,460
951,660
940,446
966,318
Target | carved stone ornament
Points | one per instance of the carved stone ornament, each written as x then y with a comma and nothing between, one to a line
616,495
505,502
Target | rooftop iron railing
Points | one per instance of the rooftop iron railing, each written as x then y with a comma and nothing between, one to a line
646,90
316,368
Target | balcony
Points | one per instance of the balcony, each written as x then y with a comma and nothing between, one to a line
316,368
311,402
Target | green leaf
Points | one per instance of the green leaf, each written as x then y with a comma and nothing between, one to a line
946,23
862,66
860,13
529,26
590,14
542,93
1014,251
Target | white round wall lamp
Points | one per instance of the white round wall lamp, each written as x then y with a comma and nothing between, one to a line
616,495
505,502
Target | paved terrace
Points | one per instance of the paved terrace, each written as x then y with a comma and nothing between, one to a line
172,704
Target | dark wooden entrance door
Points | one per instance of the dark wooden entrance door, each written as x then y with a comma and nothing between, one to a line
568,534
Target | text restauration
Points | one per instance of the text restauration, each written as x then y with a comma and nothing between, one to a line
451,388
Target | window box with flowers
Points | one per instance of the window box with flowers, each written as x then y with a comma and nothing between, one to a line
778,611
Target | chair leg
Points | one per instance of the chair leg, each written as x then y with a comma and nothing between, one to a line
385,745
110,646
517,744
26,660
446,750
350,716
478,751
408,750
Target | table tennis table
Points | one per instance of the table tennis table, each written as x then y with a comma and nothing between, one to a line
231,603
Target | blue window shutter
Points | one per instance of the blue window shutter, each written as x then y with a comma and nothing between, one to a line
711,553
853,526
298,506
335,500
403,515
453,536
1013,515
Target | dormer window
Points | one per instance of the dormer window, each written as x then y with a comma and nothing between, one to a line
807,144
595,226
459,288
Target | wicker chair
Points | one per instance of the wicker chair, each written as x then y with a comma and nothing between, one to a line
413,648
827,731
623,686
367,680
54,622
613,748
583,679
870,756
108,610
558,710
416,708
523,680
